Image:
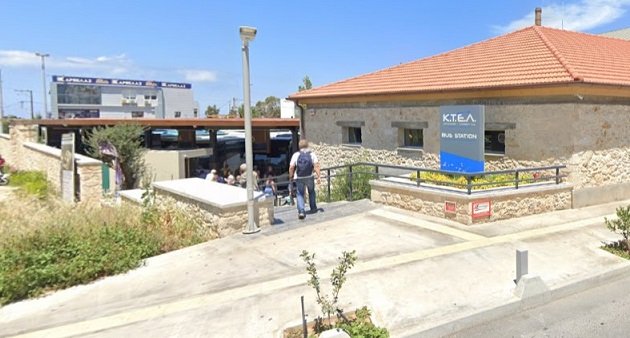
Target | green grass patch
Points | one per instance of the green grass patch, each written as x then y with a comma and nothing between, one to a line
32,183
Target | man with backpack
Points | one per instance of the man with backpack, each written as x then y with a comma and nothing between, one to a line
301,168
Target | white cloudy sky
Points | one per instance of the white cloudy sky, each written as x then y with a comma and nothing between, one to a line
576,16
197,41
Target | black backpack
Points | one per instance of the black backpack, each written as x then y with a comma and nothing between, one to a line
304,164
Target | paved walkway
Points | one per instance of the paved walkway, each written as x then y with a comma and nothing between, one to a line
415,273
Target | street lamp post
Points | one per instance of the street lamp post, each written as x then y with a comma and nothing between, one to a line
44,96
247,35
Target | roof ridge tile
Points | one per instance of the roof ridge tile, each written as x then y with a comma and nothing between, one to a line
556,53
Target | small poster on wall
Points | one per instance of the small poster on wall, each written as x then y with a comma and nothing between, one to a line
481,209
450,207
67,167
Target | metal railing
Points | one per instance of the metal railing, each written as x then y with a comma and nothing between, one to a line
414,176
423,177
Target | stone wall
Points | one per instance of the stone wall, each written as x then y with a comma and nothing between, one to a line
5,147
23,153
90,180
505,204
541,130
225,221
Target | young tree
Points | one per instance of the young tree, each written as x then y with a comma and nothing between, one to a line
127,139
255,112
270,107
306,84
212,110
621,225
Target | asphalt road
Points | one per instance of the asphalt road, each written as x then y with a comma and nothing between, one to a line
598,312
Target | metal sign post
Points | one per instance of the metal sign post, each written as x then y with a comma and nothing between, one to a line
462,130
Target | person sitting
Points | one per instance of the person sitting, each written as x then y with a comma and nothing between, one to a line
212,176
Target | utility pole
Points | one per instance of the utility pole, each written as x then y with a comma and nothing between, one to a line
44,95
30,93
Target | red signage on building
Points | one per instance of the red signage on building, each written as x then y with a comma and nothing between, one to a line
481,208
450,207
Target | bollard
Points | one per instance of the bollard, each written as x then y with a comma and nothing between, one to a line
521,264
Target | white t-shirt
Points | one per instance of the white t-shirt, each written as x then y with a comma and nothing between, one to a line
294,159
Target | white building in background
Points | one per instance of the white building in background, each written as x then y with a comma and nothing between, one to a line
82,97
619,34
288,110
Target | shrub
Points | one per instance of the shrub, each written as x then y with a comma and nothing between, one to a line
127,139
48,245
621,225
459,181
340,184
362,326
61,256
31,182
337,279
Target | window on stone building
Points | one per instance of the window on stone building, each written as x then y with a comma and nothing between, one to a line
354,135
410,134
178,114
494,143
413,138
136,114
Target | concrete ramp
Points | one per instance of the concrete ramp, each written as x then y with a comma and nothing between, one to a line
286,217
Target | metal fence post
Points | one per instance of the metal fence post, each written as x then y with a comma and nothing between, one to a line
417,178
376,171
557,175
350,180
469,184
516,181
328,183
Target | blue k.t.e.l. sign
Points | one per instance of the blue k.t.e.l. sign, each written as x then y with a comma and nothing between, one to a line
462,130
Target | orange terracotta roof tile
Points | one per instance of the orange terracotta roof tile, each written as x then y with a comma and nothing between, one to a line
532,56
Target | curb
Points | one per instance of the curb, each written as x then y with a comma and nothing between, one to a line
517,305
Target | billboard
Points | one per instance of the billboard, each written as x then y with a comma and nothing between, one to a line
119,82
462,131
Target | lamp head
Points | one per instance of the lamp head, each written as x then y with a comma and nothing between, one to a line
247,33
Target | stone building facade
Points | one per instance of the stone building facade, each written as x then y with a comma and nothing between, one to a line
591,138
